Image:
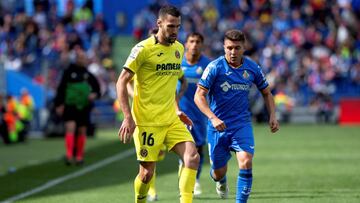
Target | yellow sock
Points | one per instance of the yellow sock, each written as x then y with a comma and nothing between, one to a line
186,184
152,188
141,190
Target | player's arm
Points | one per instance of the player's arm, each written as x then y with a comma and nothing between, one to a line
130,88
128,125
182,89
203,105
270,105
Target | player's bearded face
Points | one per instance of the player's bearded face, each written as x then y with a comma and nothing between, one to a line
234,51
169,27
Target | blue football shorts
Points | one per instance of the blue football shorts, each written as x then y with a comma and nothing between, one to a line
222,143
198,132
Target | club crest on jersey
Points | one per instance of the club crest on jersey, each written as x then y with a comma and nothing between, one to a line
245,75
143,152
177,54
199,70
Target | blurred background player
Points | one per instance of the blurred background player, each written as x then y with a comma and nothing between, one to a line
227,80
76,92
193,65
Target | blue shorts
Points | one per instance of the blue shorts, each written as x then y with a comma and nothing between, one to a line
199,132
221,143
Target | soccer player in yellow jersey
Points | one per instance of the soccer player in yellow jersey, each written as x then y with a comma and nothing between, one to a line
155,119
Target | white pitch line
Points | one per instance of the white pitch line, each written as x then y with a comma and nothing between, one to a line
81,172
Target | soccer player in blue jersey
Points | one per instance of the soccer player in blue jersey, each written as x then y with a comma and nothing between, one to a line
193,65
227,81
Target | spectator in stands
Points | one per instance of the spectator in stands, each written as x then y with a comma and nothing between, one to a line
25,113
75,96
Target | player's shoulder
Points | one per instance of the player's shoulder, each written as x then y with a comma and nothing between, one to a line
178,45
251,64
217,63
146,43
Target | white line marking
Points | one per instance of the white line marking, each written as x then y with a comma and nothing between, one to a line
76,174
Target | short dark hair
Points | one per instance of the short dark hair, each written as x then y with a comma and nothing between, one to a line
235,35
195,34
169,10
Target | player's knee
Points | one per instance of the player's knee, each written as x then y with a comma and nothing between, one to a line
145,175
246,163
218,174
192,160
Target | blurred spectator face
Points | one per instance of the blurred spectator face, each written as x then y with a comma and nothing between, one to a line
234,51
81,58
193,45
169,27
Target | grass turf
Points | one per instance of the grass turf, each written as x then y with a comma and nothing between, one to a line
299,164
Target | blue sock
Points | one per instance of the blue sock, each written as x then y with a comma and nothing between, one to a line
222,180
244,183
200,166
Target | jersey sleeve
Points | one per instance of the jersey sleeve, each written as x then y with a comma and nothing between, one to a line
260,79
136,58
208,76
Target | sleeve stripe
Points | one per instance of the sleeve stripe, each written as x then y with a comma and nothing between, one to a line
129,69
202,87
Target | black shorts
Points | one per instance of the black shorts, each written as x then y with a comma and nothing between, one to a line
81,117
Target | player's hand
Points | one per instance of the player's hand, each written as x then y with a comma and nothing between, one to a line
60,110
274,124
218,124
185,119
126,130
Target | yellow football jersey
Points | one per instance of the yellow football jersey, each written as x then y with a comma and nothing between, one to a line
157,69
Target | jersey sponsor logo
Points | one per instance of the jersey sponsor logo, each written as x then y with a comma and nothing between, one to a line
168,69
246,75
144,152
226,86
177,54
168,66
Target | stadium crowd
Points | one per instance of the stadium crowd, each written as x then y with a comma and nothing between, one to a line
29,41
309,50
42,43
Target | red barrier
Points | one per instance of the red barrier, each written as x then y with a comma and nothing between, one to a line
350,111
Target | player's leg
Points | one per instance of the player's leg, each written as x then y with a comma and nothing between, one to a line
80,144
69,118
199,135
219,155
82,122
179,140
142,181
190,158
244,180
70,127
152,194
148,142
243,144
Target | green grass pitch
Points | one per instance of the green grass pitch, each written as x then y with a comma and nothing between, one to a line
310,163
